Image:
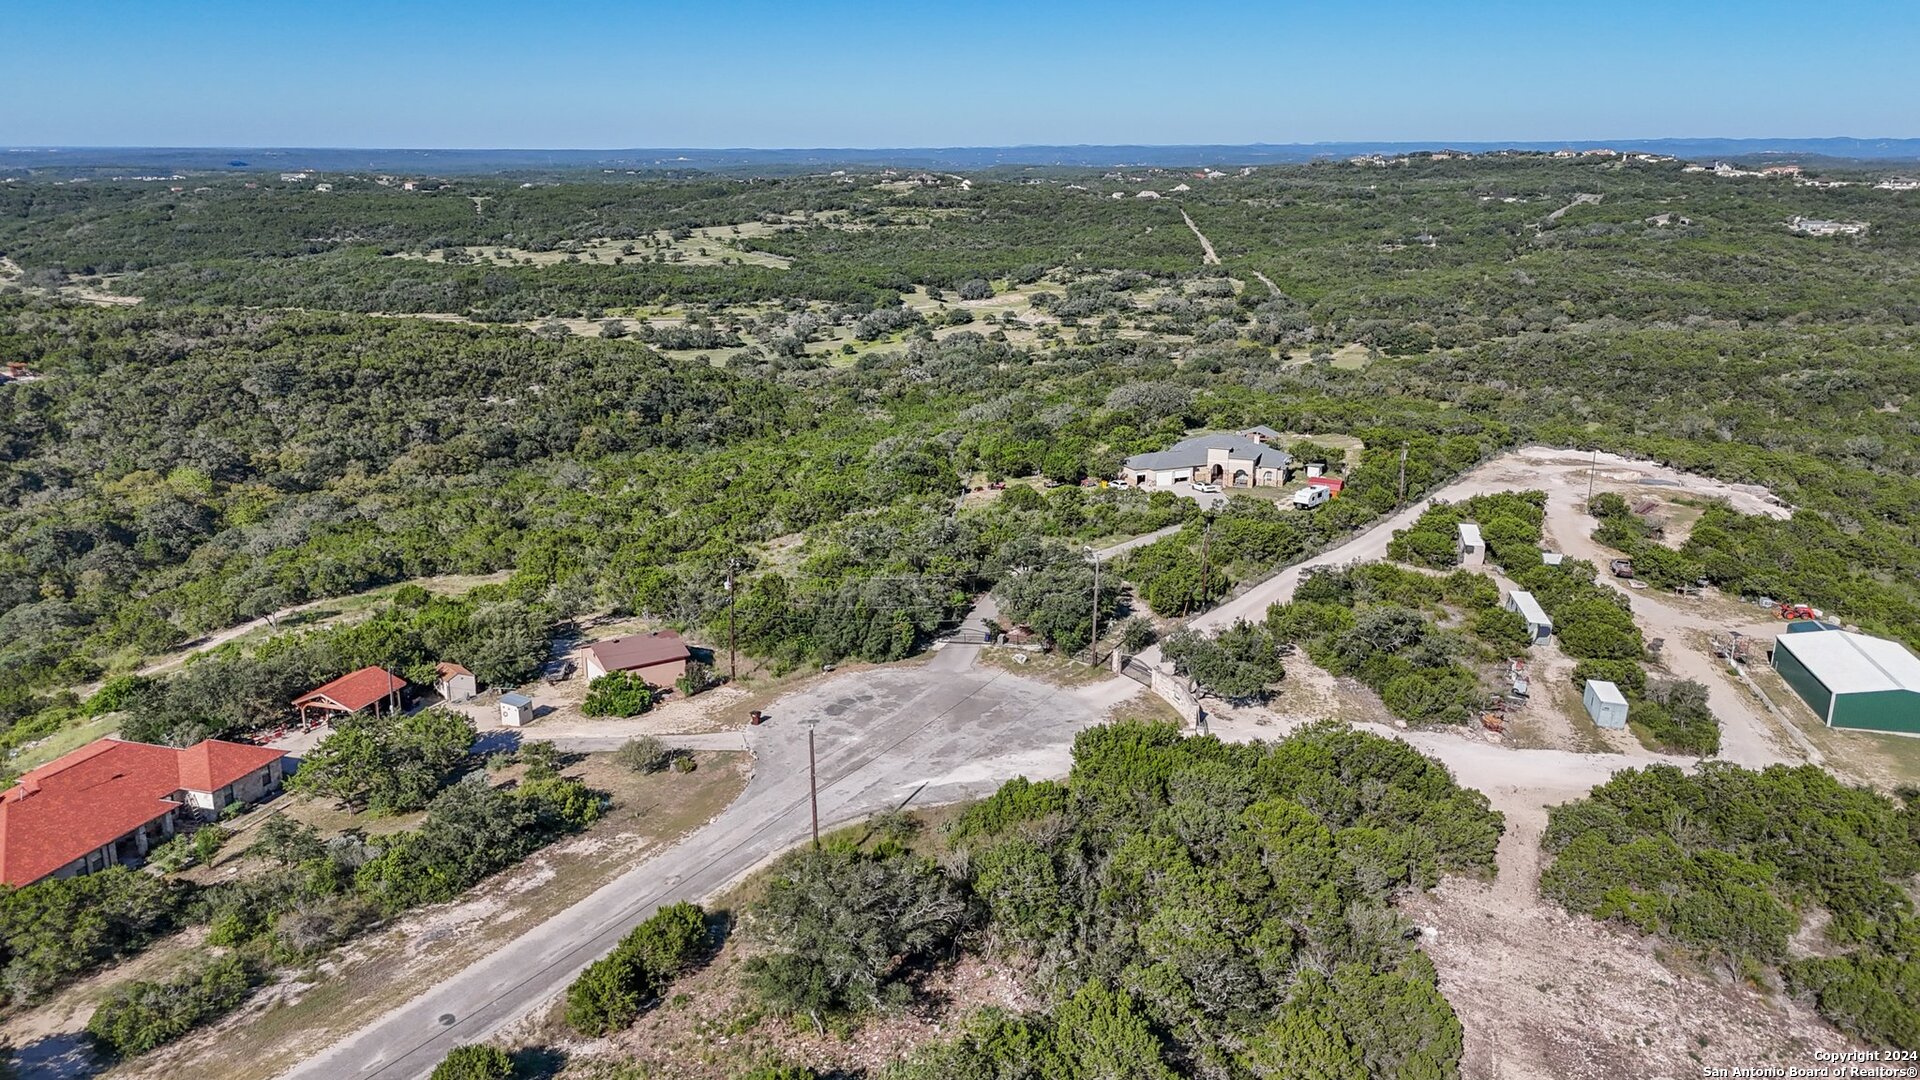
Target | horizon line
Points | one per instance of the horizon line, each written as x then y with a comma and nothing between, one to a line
1436,141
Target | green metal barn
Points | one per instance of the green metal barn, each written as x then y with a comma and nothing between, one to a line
1852,680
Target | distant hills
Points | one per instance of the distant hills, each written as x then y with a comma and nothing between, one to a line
148,160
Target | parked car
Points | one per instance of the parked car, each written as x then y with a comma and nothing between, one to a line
1210,489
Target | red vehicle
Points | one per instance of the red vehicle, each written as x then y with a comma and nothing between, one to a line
1792,612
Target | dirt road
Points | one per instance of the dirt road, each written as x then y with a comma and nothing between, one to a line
1207,256
1749,736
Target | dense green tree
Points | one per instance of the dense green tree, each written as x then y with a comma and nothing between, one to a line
1240,663
389,762
138,1016
1726,860
618,693
843,923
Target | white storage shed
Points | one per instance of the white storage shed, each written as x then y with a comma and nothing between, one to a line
516,710
1605,703
1471,549
1539,627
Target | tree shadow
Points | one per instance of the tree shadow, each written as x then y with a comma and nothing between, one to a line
497,741
67,1055
538,1062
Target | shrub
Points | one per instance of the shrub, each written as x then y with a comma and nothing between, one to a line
1674,717
474,1063
1137,633
207,841
138,1016
618,693
698,677
60,927
1505,632
1722,859
643,754
844,926
1630,677
471,831
610,994
172,856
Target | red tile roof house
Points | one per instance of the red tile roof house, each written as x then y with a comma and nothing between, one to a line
107,802
369,688
659,657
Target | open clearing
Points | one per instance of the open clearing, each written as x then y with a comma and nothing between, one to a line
714,245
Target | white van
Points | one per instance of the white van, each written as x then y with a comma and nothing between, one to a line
1311,496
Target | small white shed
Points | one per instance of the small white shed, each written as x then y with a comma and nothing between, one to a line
1605,703
1552,558
1539,627
516,710
1471,549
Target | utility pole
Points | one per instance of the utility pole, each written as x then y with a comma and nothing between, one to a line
733,641
1206,544
1400,495
813,784
1592,467
1093,643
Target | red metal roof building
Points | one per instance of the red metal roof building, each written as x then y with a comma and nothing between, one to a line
104,803
660,656
373,688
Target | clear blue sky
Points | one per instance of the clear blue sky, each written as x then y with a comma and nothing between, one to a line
728,73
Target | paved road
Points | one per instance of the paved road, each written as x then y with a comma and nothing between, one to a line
927,734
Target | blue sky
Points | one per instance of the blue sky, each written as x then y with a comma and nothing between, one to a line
730,73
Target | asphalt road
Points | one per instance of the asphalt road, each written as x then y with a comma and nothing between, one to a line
888,738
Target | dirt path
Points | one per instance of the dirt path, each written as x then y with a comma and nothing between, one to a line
1140,541
1545,995
1578,200
1267,281
1748,736
1207,257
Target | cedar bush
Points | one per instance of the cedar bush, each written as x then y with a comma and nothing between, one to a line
476,1062
611,993
138,1016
